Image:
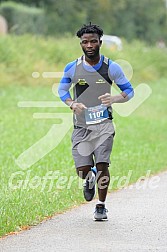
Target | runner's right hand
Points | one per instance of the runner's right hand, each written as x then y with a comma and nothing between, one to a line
78,108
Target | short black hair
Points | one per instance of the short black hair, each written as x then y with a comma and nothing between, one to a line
90,28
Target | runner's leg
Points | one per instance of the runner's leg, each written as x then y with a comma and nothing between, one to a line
83,171
103,180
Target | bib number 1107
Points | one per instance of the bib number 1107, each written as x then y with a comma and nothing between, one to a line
96,114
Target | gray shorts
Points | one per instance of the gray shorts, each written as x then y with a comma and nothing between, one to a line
90,147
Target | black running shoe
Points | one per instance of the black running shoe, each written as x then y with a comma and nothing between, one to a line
89,189
100,212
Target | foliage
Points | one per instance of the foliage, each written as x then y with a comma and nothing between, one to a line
29,3
64,17
145,19
23,19
28,54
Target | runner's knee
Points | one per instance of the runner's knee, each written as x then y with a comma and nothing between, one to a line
103,167
103,171
83,171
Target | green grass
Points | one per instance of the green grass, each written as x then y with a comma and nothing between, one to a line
140,142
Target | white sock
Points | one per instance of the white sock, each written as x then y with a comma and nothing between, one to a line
101,202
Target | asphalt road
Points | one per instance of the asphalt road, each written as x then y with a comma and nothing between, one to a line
137,222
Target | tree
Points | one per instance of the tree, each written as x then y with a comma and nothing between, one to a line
144,19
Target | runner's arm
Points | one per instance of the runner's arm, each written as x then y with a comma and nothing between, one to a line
116,74
119,78
66,82
64,87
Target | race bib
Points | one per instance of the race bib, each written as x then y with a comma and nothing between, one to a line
96,114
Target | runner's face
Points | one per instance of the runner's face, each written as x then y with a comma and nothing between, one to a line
90,44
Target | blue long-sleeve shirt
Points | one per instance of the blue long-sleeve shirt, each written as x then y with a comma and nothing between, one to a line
115,73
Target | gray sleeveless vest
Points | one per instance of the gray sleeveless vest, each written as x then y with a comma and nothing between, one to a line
88,86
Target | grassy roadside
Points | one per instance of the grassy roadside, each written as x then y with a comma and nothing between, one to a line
26,196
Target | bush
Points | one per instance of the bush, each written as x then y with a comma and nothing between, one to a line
23,19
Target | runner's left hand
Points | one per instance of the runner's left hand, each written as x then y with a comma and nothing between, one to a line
106,99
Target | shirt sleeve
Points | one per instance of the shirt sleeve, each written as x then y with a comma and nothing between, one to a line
117,75
66,81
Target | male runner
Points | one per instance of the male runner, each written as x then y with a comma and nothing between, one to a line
91,76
